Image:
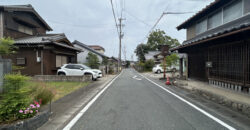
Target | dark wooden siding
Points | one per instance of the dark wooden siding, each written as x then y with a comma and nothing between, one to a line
230,57
31,67
197,58
11,24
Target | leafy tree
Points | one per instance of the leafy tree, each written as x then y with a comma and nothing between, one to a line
172,60
93,61
6,46
105,61
140,52
127,64
149,64
159,37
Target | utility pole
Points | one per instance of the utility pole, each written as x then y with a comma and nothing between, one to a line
120,43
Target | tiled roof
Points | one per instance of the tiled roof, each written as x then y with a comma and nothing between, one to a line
241,23
88,48
47,38
96,47
44,39
25,8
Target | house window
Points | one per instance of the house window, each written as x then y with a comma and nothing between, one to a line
25,29
20,61
60,60
215,20
201,26
232,11
246,6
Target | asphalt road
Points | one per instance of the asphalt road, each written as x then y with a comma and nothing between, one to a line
134,103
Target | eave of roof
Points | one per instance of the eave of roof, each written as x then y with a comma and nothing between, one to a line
44,40
96,47
223,33
26,8
88,48
208,9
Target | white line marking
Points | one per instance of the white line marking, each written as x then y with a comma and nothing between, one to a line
80,114
192,105
135,77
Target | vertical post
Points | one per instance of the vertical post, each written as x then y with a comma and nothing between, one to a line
120,44
1,24
181,67
164,67
41,62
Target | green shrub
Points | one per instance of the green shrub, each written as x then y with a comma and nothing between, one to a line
14,98
13,82
44,94
149,64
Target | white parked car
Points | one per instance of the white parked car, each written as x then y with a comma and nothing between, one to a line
77,70
99,72
158,69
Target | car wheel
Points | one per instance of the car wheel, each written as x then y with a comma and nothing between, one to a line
158,71
94,79
61,74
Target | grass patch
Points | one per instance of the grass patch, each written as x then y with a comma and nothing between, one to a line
60,89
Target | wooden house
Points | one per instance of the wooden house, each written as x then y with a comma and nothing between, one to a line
38,53
218,44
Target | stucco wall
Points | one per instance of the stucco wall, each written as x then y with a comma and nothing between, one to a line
81,57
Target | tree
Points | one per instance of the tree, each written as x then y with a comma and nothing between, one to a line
140,52
93,61
6,46
105,61
127,64
172,60
149,64
159,37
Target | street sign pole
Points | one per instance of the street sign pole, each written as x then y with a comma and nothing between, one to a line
164,53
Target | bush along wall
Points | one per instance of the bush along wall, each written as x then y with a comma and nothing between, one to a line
17,102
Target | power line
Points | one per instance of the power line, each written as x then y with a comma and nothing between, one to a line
113,11
137,18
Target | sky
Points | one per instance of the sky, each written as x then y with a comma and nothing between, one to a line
92,22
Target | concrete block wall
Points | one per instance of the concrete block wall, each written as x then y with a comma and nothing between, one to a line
57,78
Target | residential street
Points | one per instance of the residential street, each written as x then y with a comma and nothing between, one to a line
134,103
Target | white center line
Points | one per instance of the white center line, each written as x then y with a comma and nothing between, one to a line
194,106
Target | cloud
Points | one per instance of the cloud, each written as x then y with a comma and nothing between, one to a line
91,21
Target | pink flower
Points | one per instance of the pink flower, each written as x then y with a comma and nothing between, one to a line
37,105
31,111
28,108
31,105
36,111
26,111
20,111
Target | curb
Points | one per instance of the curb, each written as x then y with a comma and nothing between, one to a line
28,124
238,106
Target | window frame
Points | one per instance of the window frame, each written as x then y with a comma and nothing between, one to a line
201,20
222,9
213,13
21,58
229,4
25,29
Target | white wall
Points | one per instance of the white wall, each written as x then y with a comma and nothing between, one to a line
81,57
